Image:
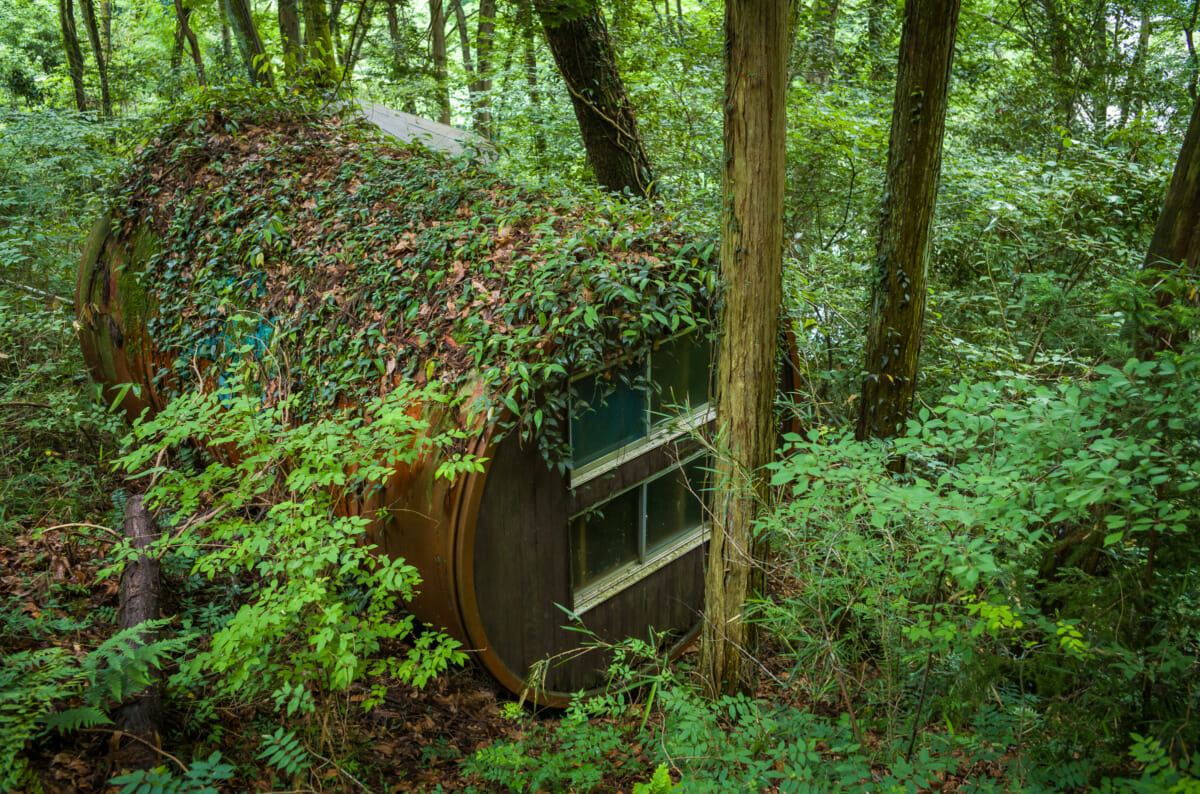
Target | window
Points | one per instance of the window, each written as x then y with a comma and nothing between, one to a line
642,506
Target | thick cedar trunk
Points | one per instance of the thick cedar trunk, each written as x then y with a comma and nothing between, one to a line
66,18
897,307
182,14
88,9
483,77
141,714
584,53
289,36
249,42
437,40
756,50
318,40
1173,257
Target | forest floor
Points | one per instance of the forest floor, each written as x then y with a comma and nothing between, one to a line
414,741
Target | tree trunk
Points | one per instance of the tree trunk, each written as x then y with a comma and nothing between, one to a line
756,50
141,714
182,14
289,36
529,60
484,40
400,65
464,41
897,307
584,53
1173,257
88,9
437,40
318,41
358,33
106,28
66,18
249,42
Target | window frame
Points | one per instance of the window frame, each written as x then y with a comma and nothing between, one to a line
660,433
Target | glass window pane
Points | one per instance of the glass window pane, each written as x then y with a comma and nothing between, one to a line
603,423
604,539
673,503
680,370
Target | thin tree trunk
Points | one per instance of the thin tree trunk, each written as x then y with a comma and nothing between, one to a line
529,60
464,41
584,53
358,32
484,40
250,42
182,14
1173,258
66,18
400,65
756,50
437,41
289,36
897,308
1131,101
88,9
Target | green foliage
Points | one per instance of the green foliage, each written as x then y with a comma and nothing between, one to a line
1039,553
399,264
284,751
202,777
575,756
660,783
38,688
266,511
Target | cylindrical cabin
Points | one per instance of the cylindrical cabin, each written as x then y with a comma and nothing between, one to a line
607,533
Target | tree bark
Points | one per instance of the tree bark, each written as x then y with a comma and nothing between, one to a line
88,9
756,50
529,60
897,304
319,59
66,18
464,42
141,714
484,40
249,42
182,14
584,53
289,37
1173,257
437,41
